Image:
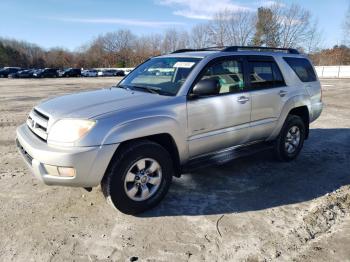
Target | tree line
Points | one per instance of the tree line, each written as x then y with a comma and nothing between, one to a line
274,26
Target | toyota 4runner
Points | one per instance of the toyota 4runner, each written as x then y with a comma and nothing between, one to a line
171,114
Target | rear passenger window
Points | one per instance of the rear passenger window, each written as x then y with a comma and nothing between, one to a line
265,75
302,68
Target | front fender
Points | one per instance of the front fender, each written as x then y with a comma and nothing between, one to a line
148,126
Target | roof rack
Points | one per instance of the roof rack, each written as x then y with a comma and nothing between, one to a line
259,49
240,48
213,48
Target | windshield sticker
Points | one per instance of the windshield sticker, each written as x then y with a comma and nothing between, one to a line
184,64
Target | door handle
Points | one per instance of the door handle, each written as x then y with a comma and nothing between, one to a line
282,93
243,99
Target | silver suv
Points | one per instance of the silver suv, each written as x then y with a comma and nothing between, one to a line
171,114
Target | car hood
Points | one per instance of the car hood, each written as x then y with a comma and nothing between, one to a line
95,103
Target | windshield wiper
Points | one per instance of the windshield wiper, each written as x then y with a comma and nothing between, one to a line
147,89
123,86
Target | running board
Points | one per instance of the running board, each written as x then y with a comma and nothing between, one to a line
224,156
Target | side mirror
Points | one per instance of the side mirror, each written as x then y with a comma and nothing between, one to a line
206,87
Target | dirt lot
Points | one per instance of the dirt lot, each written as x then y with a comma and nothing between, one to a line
251,209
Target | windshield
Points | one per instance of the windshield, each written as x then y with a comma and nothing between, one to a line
163,75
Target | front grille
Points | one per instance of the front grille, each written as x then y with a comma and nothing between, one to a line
41,114
37,123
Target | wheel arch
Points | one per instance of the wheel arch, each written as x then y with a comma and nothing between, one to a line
163,139
298,105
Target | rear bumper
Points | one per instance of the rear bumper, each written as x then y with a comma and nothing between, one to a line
316,109
90,163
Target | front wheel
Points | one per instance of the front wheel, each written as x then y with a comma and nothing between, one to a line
291,138
138,177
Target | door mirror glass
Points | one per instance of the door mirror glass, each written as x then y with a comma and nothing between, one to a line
206,87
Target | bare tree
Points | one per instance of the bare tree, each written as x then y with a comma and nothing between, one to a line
232,28
346,27
145,47
241,27
200,36
116,47
174,39
59,58
116,41
295,25
314,41
218,28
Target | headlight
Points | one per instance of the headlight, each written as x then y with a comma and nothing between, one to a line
69,130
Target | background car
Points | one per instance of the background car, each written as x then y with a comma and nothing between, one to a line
26,73
89,73
47,72
70,72
4,72
120,73
109,72
100,73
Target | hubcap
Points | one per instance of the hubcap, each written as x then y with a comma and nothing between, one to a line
143,179
292,139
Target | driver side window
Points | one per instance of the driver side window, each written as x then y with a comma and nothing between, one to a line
228,73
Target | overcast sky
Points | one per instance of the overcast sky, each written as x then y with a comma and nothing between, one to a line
71,23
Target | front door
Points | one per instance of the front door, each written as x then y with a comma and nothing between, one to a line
222,120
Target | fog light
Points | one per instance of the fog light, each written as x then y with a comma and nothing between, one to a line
51,170
66,171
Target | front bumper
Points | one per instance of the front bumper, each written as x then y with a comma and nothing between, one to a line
90,163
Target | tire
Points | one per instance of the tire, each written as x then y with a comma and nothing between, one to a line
287,145
124,167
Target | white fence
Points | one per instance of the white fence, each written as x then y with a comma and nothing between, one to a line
333,71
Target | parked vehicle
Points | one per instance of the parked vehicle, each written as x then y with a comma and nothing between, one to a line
120,73
89,73
217,104
100,73
110,72
4,72
47,72
70,72
27,73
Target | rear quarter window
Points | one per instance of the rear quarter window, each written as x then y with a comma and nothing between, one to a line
302,67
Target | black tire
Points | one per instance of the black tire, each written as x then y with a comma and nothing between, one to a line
113,181
280,144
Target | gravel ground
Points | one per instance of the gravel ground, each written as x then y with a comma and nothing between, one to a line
251,209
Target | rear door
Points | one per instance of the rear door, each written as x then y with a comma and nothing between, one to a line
222,120
268,92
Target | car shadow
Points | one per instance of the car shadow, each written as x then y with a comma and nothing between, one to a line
259,181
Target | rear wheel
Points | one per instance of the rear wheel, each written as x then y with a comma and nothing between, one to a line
138,177
291,138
